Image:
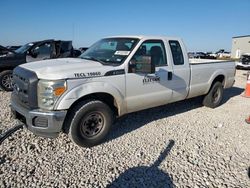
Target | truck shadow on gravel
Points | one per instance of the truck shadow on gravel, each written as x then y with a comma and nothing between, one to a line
133,121
144,176
231,92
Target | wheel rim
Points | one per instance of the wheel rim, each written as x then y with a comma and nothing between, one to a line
216,95
7,81
92,124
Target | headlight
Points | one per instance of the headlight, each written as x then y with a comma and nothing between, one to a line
49,92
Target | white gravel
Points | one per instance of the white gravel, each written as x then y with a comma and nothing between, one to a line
210,148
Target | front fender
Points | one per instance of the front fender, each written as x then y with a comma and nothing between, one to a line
84,89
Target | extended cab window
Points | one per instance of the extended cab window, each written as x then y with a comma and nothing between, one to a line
153,51
176,52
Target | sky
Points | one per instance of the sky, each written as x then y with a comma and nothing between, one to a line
207,25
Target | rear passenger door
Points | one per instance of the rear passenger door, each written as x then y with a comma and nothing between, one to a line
181,71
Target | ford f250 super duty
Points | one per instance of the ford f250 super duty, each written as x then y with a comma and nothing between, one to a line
115,76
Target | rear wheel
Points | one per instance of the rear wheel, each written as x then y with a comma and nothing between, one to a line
214,96
91,122
6,80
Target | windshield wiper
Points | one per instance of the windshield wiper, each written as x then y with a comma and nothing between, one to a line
94,59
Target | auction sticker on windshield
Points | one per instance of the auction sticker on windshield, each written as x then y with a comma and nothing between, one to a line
122,53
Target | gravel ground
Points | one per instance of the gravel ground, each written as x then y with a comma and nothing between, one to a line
177,145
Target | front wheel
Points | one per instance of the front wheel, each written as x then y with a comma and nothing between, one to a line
91,122
6,80
214,96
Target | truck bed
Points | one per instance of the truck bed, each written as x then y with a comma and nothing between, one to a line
193,61
204,71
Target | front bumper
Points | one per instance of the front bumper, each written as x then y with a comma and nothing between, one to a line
42,123
242,66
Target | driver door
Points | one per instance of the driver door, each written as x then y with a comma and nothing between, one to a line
148,90
40,52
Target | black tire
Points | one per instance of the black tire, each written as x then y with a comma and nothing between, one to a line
6,80
90,123
214,96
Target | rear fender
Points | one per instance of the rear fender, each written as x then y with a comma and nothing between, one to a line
214,76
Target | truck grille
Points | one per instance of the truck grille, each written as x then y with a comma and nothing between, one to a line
25,87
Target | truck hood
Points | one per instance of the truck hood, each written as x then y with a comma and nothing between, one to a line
67,68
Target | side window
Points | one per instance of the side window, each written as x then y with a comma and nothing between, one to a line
43,51
176,52
65,49
153,51
65,46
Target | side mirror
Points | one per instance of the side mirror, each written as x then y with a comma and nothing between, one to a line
144,65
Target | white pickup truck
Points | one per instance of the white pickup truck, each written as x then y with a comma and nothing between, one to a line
115,76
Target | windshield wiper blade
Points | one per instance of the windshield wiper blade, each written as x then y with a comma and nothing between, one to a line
94,59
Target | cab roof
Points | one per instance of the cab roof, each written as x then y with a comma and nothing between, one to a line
145,37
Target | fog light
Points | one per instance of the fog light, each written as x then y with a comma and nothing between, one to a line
40,122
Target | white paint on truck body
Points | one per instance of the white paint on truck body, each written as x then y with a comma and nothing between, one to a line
86,77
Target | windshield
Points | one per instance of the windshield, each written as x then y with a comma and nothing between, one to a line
24,48
110,50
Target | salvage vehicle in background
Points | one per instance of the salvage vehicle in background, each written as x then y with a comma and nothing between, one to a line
210,55
244,62
33,51
13,47
220,54
200,55
83,49
4,50
115,76
223,54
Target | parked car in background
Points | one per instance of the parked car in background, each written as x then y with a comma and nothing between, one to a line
200,55
77,53
211,55
223,54
33,51
244,62
219,54
190,55
83,49
4,50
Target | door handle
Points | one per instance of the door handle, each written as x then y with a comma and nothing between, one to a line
170,75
